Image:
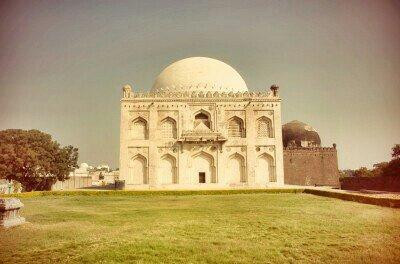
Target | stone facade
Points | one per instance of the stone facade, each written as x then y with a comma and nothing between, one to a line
311,166
200,136
169,139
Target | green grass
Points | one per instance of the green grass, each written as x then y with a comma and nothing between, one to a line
89,192
236,228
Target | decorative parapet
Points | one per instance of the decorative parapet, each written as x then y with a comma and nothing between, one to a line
167,94
311,148
309,151
9,212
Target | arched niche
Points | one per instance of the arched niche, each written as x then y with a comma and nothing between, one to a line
137,170
236,127
264,127
236,168
265,169
204,117
138,128
168,128
167,170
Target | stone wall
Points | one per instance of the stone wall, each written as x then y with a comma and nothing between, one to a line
73,183
311,166
371,183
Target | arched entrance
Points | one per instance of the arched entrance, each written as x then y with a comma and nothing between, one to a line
203,168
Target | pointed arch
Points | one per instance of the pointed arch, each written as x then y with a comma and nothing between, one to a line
168,128
237,168
137,170
204,154
264,127
167,171
202,116
236,127
138,128
203,168
265,169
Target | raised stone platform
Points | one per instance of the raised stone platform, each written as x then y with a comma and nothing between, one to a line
9,212
387,199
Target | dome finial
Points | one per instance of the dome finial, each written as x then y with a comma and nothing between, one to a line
126,90
274,88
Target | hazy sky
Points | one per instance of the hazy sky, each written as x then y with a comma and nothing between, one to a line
63,63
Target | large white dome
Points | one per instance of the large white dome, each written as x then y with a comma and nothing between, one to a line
199,74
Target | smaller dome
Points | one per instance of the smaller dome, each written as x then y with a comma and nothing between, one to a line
84,165
299,134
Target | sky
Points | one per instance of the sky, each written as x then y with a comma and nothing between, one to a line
63,64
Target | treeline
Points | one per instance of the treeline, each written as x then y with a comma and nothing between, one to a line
382,169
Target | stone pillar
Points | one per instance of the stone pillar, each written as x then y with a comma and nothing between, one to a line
153,155
278,146
9,212
251,135
123,142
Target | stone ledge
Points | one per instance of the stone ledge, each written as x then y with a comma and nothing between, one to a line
9,204
12,222
9,212
355,197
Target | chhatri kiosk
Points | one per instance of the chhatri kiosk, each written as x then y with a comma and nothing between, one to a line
200,128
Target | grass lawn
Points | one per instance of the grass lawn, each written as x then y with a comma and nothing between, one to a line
239,228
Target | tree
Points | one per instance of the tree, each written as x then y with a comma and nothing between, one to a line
32,158
393,168
378,168
396,151
346,173
386,169
362,172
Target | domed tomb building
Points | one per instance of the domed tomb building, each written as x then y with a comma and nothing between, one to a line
299,134
305,161
200,127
